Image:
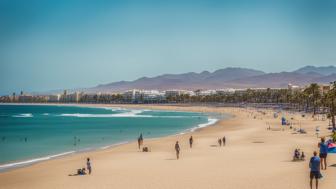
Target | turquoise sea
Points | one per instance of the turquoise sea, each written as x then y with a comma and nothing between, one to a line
32,133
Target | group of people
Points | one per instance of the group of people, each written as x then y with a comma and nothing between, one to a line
222,141
318,163
298,156
82,171
76,141
178,149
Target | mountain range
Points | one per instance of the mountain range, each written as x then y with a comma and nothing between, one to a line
224,78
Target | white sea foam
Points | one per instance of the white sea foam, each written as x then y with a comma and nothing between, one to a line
113,145
23,115
211,121
113,108
45,114
28,162
131,113
127,114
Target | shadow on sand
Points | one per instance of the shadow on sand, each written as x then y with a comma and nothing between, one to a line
171,159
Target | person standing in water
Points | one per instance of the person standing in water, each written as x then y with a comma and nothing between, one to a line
75,141
224,140
88,165
191,140
177,149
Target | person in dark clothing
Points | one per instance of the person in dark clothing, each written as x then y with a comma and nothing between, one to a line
139,143
88,165
191,141
314,165
323,153
177,149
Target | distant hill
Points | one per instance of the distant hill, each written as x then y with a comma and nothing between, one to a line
189,80
323,70
280,80
326,79
223,78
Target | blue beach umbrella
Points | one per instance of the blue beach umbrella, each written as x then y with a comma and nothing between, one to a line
332,148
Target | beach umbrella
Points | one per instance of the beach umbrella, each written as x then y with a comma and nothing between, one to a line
332,148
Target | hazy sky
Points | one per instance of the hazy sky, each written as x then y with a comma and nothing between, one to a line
56,44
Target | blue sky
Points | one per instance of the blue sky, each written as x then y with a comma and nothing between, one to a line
49,44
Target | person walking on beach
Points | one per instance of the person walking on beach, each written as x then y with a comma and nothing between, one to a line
141,139
139,142
314,165
191,140
220,142
224,140
177,149
323,153
88,165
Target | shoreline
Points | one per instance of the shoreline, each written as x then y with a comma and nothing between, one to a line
259,157
9,166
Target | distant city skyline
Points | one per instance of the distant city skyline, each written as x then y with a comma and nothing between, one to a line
47,45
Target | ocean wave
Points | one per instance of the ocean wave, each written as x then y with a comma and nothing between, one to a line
102,115
28,162
131,113
128,114
114,109
113,145
211,121
23,115
45,114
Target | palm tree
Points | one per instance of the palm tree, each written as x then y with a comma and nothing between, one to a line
313,94
331,103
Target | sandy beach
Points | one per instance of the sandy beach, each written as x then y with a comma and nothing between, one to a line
254,157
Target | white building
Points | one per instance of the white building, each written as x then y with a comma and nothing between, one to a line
293,87
25,98
175,93
152,95
74,97
54,98
143,95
